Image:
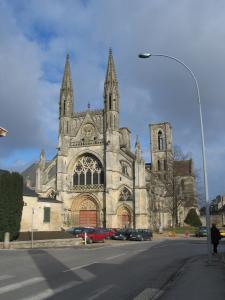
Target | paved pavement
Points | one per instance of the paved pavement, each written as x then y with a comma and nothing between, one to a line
198,279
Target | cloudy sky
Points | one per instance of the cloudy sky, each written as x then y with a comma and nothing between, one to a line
36,35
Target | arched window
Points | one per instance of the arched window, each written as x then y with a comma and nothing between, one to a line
88,177
165,164
110,101
75,179
125,195
64,106
95,178
182,184
159,165
88,170
160,141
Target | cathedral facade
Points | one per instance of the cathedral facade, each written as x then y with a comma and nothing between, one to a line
96,178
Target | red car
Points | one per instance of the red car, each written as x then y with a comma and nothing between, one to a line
108,232
93,235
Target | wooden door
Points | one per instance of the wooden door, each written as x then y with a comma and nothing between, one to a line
88,218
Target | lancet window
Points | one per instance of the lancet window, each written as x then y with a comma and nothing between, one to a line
160,141
88,171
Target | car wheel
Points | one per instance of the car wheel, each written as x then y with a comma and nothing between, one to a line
103,241
89,241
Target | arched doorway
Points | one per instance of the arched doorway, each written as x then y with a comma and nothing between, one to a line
124,217
85,211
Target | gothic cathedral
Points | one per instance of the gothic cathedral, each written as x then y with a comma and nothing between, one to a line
96,178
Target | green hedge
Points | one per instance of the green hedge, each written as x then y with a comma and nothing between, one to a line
11,204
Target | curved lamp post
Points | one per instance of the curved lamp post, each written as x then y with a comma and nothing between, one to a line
148,55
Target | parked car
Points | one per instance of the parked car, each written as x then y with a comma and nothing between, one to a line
108,232
75,231
119,235
222,231
201,231
93,235
141,235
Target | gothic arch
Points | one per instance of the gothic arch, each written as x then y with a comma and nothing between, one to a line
72,162
124,216
88,171
85,211
160,140
77,201
125,194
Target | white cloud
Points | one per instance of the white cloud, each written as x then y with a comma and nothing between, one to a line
34,42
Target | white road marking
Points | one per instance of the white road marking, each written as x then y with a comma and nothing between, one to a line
100,292
148,293
115,256
50,292
80,267
4,277
18,285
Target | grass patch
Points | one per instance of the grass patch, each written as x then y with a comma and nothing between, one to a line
182,230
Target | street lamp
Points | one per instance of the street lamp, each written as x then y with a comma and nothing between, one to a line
148,55
3,132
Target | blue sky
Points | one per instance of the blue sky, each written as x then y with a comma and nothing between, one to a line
36,36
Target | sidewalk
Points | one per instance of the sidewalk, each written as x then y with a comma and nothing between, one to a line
198,280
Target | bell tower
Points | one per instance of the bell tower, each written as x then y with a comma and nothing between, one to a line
161,149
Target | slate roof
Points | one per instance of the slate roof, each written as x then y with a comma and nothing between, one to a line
29,192
3,171
49,200
31,173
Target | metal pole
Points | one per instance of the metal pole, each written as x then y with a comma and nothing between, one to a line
203,149
32,231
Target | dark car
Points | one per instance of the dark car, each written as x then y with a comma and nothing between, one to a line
201,231
141,235
119,235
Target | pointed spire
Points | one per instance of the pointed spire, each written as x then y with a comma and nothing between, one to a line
137,143
111,95
42,154
67,82
42,160
66,93
138,149
111,71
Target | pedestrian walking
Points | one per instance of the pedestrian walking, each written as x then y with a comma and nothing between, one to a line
215,237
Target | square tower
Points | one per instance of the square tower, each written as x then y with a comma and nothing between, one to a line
161,149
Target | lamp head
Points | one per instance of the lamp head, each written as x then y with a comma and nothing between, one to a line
144,55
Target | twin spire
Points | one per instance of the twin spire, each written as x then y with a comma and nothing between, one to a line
66,93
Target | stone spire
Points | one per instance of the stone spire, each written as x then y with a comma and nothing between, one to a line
111,71
66,92
138,149
42,160
111,95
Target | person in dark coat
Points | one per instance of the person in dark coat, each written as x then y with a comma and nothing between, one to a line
215,237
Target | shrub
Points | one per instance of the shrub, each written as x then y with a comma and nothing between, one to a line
11,203
192,218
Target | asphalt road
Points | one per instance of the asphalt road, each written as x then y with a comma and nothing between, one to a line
118,270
